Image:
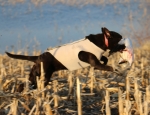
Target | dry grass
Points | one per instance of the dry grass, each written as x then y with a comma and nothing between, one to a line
95,92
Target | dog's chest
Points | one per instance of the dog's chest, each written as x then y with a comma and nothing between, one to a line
68,54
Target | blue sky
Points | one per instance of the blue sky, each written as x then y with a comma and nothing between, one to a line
52,25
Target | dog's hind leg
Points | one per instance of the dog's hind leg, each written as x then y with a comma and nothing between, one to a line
93,61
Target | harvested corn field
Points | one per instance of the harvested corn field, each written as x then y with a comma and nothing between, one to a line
82,92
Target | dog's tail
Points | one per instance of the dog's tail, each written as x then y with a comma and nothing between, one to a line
22,57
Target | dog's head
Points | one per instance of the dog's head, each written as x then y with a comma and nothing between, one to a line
111,40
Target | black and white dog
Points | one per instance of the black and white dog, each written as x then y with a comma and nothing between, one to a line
79,54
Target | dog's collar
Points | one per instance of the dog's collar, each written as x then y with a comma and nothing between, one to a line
106,40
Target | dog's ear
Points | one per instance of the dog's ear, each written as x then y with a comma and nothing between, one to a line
106,32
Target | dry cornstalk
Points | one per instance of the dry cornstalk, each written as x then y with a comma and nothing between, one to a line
38,99
140,103
10,68
142,71
133,65
70,85
48,96
136,87
14,106
112,89
128,107
148,93
48,110
42,72
42,79
25,106
40,86
55,84
120,102
3,70
27,81
38,105
79,102
107,98
22,68
145,105
1,84
60,73
38,83
14,86
92,79
127,101
136,93
33,108
21,79
147,100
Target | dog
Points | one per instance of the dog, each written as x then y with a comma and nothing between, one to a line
107,40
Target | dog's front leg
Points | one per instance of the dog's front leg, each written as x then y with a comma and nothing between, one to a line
93,61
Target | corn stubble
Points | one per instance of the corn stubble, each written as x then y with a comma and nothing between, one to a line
82,92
